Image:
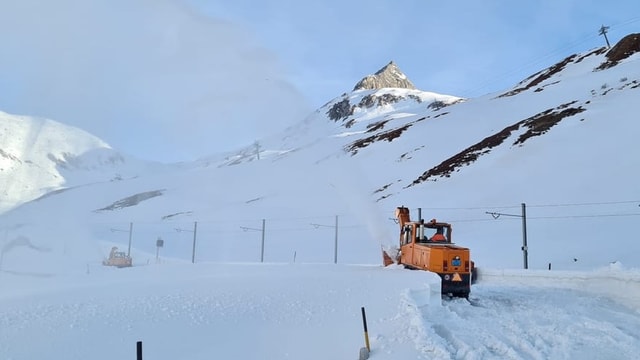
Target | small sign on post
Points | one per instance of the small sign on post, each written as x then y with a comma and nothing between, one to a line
159,244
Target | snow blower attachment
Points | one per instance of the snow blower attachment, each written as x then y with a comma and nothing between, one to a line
427,246
117,258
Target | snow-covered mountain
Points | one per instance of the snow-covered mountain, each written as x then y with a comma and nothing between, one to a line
563,141
41,156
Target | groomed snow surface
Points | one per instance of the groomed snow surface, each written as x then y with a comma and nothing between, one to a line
313,311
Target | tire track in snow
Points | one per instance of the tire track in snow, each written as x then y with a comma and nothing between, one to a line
413,304
516,322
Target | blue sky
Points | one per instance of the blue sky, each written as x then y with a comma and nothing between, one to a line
459,48
173,80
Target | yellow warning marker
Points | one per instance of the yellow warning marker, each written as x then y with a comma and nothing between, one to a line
456,277
366,333
364,352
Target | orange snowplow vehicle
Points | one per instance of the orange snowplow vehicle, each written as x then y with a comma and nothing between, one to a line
428,246
118,259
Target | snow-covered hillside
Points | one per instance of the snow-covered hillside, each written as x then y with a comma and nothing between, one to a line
41,156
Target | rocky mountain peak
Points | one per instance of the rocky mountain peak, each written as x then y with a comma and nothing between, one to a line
389,76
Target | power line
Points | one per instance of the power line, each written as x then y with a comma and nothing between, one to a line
539,205
588,204
528,65
584,216
470,208
562,49
627,22
292,220
553,217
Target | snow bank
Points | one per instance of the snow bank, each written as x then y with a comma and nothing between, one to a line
241,311
615,282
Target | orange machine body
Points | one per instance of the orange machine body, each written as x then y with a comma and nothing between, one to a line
428,246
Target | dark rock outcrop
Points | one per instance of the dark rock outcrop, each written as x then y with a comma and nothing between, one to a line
626,47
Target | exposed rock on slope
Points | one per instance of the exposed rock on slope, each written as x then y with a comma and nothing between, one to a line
133,200
535,126
626,47
541,76
389,76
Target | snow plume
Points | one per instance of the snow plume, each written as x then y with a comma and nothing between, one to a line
153,68
21,241
31,249
352,187
346,178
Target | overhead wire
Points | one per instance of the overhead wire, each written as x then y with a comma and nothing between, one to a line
296,220
588,203
528,65
553,53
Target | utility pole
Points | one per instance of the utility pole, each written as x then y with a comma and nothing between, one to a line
335,239
130,232
525,249
195,232
244,228
262,242
130,235
193,251
523,215
335,244
603,31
